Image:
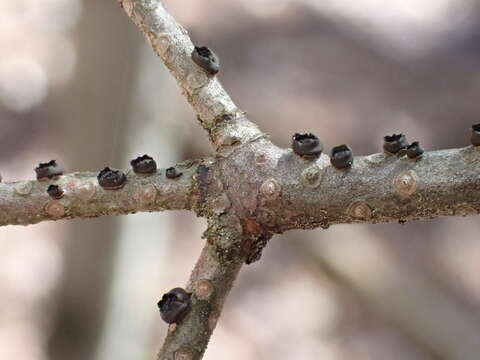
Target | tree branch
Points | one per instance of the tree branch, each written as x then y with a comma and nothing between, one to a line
172,43
210,282
27,202
282,191
378,188
252,190
203,91
271,190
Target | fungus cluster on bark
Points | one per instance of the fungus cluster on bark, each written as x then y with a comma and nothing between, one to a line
239,226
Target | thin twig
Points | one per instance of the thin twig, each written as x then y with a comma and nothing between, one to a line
210,282
172,43
27,202
252,190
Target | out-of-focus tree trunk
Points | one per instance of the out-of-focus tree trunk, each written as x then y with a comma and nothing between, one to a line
152,126
107,50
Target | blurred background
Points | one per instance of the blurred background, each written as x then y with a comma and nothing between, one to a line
79,84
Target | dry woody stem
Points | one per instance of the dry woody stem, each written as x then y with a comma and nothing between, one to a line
252,189
172,43
29,202
210,282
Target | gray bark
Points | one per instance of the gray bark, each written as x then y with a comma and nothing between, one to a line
251,189
27,202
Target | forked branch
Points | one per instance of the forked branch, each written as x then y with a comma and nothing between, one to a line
252,189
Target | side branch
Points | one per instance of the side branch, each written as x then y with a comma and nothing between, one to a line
224,122
27,202
210,282
172,43
281,190
385,188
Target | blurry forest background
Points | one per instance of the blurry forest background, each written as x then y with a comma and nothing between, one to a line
79,84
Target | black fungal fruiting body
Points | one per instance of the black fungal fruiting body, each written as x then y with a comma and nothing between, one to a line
414,150
475,136
174,305
206,59
341,156
306,145
144,165
172,173
48,170
111,179
55,192
395,143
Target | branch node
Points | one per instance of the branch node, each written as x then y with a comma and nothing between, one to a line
23,188
406,183
359,210
465,210
204,289
183,354
311,176
270,189
55,209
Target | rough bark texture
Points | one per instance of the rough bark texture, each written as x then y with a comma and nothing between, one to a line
252,189
283,191
210,282
27,202
172,43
